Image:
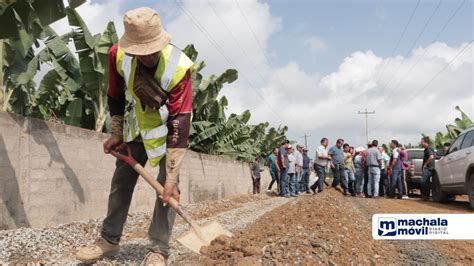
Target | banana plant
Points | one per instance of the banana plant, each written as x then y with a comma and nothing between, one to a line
213,132
27,19
93,60
453,130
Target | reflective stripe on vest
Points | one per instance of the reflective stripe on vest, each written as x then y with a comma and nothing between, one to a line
148,123
170,68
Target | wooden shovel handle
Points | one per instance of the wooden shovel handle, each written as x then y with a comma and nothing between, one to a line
152,181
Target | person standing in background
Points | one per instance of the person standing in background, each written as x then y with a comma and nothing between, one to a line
366,169
359,172
337,165
373,161
255,172
405,165
349,171
383,185
428,168
299,165
321,161
394,171
283,164
306,172
446,148
274,170
292,172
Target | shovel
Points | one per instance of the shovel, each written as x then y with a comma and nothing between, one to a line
198,236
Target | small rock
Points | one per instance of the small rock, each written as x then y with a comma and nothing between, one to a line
251,251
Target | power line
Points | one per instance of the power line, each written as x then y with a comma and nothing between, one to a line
219,49
426,50
418,91
258,42
237,42
399,40
408,52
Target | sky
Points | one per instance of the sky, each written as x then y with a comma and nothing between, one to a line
312,65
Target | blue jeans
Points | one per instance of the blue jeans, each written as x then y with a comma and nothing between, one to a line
305,180
298,177
396,181
374,180
349,179
426,183
359,188
284,181
293,183
339,177
321,173
274,175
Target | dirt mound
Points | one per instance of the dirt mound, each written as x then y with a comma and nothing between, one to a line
323,228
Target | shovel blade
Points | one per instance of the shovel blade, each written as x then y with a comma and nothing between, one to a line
196,238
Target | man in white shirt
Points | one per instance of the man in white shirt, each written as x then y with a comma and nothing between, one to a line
394,171
299,166
321,160
292,171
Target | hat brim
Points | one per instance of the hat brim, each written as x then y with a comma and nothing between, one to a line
144,48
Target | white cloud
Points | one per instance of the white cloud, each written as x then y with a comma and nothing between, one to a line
328,105
311,103
96,16
316,44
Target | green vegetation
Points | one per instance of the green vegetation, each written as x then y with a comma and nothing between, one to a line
453,130
214,133
74,89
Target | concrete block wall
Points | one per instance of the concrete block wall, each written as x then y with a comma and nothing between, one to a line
52,174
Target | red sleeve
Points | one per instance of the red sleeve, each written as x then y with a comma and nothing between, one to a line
180,100
116,88
180,107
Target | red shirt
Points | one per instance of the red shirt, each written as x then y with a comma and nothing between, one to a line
179,104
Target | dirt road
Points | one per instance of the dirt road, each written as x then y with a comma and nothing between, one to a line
327,228
333,229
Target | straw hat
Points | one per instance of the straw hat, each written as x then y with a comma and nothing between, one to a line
143,32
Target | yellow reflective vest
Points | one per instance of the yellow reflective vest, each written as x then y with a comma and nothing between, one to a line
148,123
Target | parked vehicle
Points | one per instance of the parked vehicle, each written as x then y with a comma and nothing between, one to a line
455,171
415,160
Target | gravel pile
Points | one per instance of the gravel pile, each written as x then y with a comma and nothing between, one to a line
58,244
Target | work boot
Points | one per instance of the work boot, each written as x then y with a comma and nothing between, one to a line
153,259
101,248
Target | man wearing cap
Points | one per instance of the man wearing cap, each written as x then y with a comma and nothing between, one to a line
299,168
306,172
155,78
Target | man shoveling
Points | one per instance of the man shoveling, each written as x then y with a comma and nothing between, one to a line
156,76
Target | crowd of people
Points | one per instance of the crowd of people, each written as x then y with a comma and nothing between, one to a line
359,172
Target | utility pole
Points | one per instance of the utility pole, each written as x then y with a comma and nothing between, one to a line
306,140
366,113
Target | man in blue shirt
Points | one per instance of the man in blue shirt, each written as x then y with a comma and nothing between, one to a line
337,165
